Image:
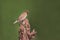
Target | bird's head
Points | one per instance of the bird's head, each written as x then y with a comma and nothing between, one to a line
27,11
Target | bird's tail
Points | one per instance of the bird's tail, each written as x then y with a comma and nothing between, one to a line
15,22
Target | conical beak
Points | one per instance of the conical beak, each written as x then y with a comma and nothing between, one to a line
15,22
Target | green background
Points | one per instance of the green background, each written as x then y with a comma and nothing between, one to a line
44,16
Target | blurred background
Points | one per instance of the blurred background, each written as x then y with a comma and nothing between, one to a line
44,16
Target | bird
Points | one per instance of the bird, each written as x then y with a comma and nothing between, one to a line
22,16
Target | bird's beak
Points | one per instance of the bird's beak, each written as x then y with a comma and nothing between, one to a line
15,22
